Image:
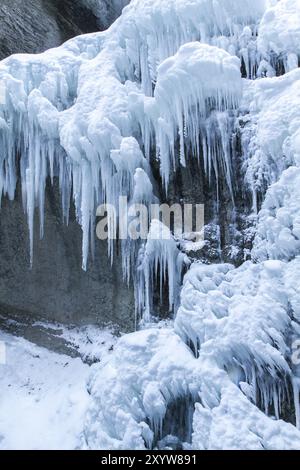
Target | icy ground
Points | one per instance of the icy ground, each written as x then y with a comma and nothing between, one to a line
44,397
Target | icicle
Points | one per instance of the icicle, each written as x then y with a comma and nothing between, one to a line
190,73
296,392
160,251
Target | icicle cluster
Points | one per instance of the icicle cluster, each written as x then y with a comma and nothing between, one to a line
278,230
160,259
195,92
247,334
59,121
277,43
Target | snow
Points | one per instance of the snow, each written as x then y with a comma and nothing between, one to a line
91,342
269,137
45,392
204,301
147,370
276,39
235,424
43,398
278,229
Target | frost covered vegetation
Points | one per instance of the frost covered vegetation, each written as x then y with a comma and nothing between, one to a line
169,81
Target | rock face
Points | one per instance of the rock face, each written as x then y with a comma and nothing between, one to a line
36,25
56,288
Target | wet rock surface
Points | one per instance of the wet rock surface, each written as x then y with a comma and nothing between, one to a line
33,26
56,287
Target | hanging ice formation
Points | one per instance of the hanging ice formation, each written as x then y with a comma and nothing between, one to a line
58,122
165,80
161,260
278,44
209,85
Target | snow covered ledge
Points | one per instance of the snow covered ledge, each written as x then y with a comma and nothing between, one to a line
279,34
195,93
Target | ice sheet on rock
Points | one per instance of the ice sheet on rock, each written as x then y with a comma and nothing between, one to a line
279,34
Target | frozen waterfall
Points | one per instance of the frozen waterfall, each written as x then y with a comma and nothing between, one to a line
169,81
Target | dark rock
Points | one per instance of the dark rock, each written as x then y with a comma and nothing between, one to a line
56,288
36,25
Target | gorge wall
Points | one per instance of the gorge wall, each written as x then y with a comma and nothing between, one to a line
56,288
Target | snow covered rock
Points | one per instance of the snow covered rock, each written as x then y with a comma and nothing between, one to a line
131,392
278,229
279,34
270,129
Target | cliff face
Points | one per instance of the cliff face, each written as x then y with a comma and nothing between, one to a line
56,288
36,25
